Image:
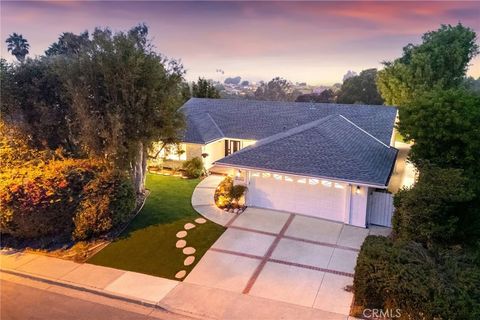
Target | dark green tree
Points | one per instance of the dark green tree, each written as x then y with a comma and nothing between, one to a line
68,43
18,46
34,97
326,96
433,212
124,96
277,89
204,88
360,89
441,60
444,127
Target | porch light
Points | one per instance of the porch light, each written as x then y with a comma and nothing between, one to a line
266,175
277,176
357,190
256,174
303,180
239,173
326,183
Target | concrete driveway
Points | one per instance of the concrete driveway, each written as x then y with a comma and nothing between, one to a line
285,257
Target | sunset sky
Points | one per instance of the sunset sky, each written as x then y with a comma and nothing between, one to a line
315,42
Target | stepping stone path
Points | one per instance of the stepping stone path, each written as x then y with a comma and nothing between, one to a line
180,244
189,226
181,234
189,260
189,250
180,274
200,220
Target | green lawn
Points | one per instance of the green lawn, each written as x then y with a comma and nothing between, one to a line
148,244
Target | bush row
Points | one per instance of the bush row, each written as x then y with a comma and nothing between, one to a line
406,276
76,197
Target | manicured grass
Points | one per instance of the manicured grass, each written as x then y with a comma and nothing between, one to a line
148,244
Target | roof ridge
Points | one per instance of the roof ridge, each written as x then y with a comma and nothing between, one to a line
216,125
364,131
284,134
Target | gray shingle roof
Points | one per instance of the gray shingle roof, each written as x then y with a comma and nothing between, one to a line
332,147
212,119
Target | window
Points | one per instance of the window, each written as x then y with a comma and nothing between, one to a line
288,179
231,146
255,174
303,180
266,175
313,181
339,186
277,176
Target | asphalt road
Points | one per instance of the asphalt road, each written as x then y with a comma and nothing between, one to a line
25,302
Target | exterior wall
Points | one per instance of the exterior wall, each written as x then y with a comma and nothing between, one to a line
215,151
358,206
193,150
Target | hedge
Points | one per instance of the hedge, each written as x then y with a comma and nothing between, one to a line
406,276
71,197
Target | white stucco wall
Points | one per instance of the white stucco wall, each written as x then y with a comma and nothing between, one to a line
215,151
358,206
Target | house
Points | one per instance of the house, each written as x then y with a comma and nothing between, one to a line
315,159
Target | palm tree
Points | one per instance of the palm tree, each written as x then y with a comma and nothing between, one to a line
18,46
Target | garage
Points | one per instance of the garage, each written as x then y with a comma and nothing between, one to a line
313,197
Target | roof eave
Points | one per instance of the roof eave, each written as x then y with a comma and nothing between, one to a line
363,183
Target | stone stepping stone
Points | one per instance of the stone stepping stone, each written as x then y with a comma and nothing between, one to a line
180,274
189,260
189,226
200,220
189,250
180,244
181,234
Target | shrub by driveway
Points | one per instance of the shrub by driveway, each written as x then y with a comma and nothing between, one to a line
148,244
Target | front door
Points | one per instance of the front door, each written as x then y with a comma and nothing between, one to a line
231,146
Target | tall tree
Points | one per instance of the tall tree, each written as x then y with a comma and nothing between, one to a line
68,43
277,89
33,96
204,88
360,89
440,61
124,97
18,45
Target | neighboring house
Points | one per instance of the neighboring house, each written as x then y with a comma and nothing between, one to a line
321,160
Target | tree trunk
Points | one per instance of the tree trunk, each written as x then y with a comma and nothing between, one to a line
140,169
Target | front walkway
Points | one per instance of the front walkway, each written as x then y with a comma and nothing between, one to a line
204,203
284,257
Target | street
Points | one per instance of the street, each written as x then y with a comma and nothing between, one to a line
24,302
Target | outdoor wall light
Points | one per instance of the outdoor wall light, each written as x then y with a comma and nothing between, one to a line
357,191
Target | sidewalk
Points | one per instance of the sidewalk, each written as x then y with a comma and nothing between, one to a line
173,296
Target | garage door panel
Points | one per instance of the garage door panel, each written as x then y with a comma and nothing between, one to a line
314,200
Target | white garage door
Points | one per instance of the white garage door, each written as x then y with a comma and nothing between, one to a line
313,197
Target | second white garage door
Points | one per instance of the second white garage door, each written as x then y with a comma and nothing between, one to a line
313,197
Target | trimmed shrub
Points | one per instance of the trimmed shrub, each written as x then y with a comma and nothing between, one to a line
107,201
193,168
237,191
222,194
39,200
406,276
432,211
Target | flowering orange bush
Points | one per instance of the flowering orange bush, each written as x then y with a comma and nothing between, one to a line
48,194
